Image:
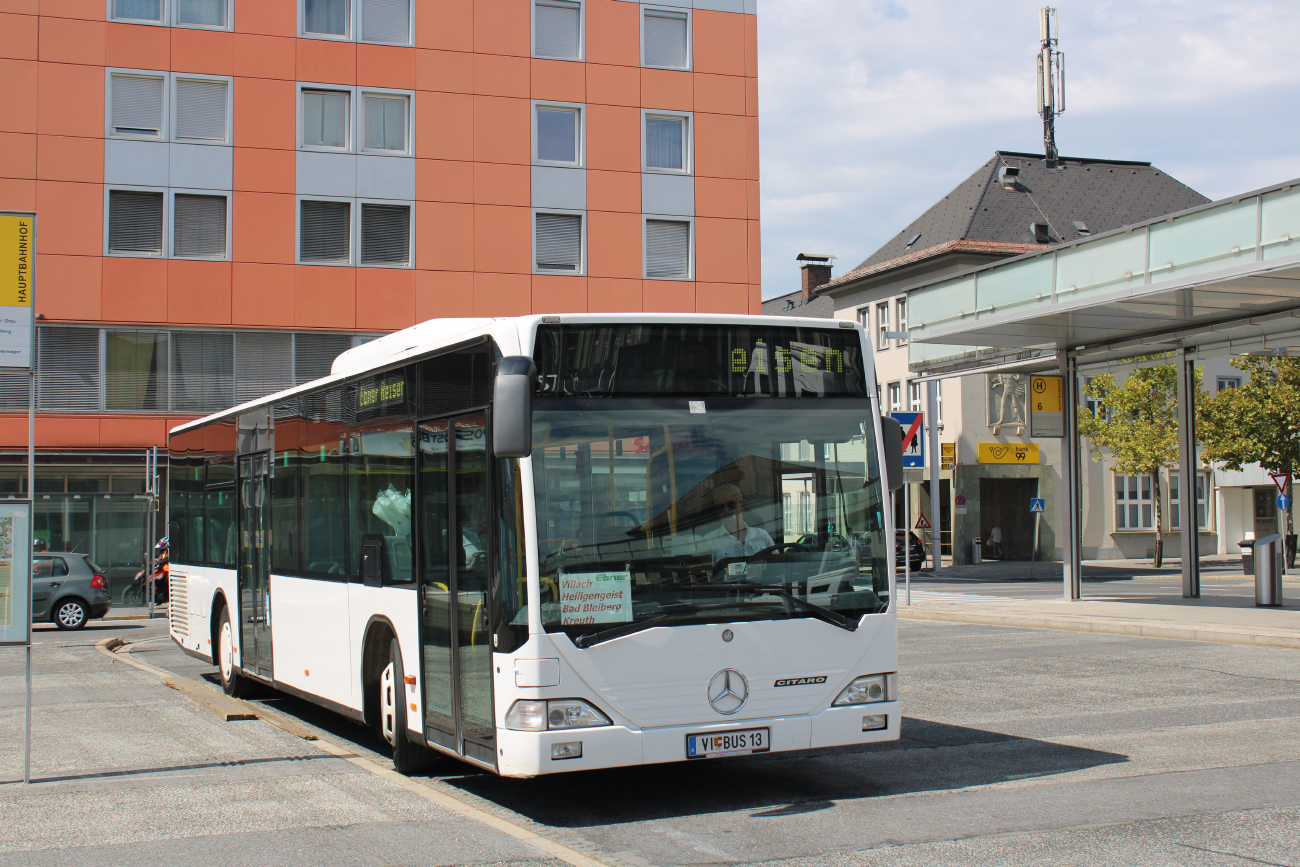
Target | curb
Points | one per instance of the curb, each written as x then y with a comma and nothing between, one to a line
1145,630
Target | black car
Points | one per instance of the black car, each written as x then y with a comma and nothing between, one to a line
916,551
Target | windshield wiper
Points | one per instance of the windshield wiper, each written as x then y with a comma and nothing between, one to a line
669,612
832,617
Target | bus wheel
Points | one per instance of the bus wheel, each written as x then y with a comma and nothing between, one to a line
408,757
234,683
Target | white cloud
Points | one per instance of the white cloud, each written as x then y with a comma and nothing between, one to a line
872,111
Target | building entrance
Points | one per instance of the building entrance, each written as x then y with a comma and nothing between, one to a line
1004,503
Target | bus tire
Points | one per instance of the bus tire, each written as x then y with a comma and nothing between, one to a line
408,756
233,683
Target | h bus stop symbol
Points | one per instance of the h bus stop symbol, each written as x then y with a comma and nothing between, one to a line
1037,506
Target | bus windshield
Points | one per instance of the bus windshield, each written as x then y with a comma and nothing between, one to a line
728,509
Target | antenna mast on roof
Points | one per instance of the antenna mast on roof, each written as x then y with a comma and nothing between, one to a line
1051,81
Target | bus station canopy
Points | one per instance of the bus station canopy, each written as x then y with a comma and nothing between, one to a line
1222,278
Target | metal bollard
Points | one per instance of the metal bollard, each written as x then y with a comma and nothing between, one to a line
1247,556
1268,571
976,553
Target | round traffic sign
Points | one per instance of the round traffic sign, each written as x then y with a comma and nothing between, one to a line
960,501
1283,501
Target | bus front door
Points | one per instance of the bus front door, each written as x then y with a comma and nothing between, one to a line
254,578
456,652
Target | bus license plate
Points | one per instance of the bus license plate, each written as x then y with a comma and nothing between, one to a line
731,743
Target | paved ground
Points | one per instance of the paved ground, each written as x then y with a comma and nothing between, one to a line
1019,747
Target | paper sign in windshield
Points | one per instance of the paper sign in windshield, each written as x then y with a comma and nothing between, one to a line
595,597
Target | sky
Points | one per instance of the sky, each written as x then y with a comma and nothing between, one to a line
870,111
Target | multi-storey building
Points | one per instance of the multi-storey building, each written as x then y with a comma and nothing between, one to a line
231,192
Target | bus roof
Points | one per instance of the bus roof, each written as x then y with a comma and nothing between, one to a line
512,333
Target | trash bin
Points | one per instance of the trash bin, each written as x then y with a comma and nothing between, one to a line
1268,571
976,554
1247,556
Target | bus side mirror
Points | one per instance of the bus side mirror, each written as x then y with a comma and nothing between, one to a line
891,437
512,407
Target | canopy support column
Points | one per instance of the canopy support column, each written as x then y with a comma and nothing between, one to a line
1072,568
936,485
1188,386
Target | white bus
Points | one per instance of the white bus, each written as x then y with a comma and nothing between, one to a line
553,543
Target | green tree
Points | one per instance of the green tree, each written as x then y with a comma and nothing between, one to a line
1257,422
1137,424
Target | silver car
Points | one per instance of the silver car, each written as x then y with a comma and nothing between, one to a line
68,589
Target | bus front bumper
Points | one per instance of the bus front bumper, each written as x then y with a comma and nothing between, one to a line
529,754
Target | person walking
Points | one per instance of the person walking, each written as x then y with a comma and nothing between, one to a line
995,541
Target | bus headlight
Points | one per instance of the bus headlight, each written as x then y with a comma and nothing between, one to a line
868,689
534,715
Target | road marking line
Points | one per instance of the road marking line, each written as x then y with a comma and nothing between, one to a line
214,700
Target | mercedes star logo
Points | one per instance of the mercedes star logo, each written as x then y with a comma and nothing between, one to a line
728,691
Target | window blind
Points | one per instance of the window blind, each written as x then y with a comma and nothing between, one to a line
667,248
325,118
313,354
326,232
665,40
200,110
13,389
264,364
385,234
137,105
205,13
329,17
558,28
559,242
385,122
199,229
69,369
135,370
665,139
135,222
138,10
557,135
386,21
202,369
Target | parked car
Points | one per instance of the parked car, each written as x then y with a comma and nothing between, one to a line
68,589
916,550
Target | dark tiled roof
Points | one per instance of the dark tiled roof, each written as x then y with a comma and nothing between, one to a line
819,306
1101,194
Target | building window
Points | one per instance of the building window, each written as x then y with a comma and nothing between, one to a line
1091,404
325,232
900,317
325,116
557,29
1228,382
666,36
895,397
199,226
135,222
667,143
385,234
137,10
864,317
137,105
914,397
558,243
201,109
882,325
386,21
135,370
326,17
201,13
558,134
1202,501
1133,509
203,370
668,249
384,120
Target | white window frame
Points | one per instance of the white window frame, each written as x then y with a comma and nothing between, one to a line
170,113
109,189
1128,503
1203,503
163,8
358,25
900,318
229,25
582,251
359,118
1225,382
356,230
882,325
864,317
914,401
582,33
354,222
169,227
894,394
351,124
690,244
164,135
688,141
580,130
690,36
351,18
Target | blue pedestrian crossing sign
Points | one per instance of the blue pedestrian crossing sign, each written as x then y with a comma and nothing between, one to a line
1037,506
1283,501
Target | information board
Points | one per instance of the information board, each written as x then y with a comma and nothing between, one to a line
17,270
1046,406
15,572
1008,453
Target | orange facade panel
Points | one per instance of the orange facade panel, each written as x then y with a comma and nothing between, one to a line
721,254
17,156
613,32
258,56
265,113
325,296
560,80
386,66
327,61
613,85
503,27
69,99
613,244
502,294
502,130
203,51
71,218
135,290
559,294
137,46
446,71
198,293
68,40
718,41
17,36
443,294
262,295
385,299
447,24
613,295
444,236
264,227
70,158
720,146
71,287
495,75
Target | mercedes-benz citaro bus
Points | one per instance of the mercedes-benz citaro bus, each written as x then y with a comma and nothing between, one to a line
554,543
